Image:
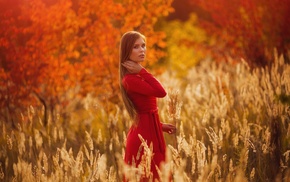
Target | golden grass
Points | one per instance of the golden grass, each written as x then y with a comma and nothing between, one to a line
233,125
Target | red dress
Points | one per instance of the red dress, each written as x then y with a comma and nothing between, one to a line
142,89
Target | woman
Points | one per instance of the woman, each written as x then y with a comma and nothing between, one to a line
139,92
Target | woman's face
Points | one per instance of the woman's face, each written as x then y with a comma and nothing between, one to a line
138,53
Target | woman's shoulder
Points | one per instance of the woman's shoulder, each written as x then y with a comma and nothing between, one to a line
131,78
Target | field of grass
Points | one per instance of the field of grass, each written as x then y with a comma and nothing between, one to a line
233,125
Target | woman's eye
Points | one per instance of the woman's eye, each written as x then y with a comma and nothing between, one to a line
138,46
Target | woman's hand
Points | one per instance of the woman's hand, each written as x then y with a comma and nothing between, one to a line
132,66
168,128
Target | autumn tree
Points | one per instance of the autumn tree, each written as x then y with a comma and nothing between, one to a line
183,44
246,28
55,52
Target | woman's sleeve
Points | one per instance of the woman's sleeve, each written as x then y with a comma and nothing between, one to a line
144,84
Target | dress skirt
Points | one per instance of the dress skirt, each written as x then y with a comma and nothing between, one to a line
150,128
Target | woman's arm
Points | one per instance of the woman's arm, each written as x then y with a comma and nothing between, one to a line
142,82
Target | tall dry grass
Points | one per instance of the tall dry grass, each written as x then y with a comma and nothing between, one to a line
233,125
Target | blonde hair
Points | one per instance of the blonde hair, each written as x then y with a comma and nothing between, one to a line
126,45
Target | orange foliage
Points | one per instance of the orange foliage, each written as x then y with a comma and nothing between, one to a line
53,52
248,28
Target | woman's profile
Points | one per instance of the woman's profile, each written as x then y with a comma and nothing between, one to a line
140,91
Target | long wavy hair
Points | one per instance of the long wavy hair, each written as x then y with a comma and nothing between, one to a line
126,45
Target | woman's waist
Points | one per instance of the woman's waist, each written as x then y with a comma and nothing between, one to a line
147,117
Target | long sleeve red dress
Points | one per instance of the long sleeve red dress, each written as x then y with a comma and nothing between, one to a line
143,90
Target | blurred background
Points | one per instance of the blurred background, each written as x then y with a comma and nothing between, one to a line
224,64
